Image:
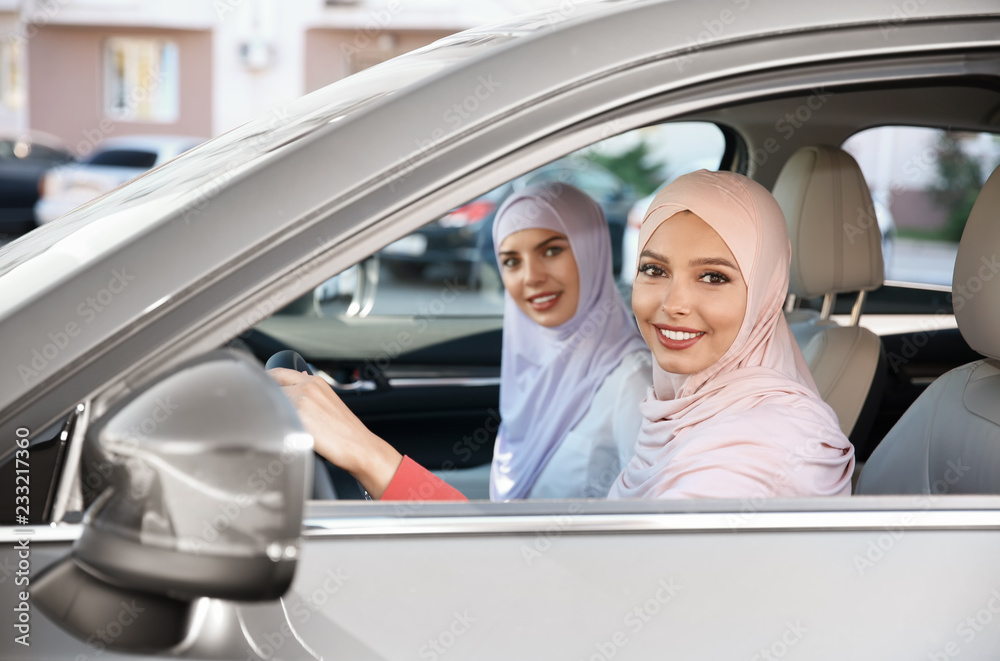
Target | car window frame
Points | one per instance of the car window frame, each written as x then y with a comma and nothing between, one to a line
676,104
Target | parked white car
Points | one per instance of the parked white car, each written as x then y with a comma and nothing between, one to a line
113,162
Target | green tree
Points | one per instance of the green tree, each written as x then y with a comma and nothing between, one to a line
959,180
635,167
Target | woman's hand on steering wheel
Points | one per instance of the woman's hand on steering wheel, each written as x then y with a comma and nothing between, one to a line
338,434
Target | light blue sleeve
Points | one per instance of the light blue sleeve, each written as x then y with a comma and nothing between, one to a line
636,381
593,453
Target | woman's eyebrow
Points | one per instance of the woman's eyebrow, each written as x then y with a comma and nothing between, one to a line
713,261
550,240
699,261
654,255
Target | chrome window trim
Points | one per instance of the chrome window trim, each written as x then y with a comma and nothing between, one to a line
443,381
701,522
70,493
567,522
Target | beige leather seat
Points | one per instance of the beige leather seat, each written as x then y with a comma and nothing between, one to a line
836,248
948,441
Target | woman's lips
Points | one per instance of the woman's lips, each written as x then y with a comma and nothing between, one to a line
676,339
543,302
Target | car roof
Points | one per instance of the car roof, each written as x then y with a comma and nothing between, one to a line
210,200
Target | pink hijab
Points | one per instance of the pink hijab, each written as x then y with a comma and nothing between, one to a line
752,424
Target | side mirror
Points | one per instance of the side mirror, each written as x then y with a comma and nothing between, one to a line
355,286
198,484
363,299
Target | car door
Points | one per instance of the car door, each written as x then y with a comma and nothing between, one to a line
891,577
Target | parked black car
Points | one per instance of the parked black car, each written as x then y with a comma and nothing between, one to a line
462,240
24,159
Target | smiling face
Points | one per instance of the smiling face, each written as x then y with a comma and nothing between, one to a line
689,296
539,271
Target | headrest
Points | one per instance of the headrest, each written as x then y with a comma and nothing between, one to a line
975,289
836,242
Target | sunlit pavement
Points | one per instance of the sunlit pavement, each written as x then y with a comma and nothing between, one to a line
445,296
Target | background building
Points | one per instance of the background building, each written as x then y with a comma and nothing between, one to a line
86,69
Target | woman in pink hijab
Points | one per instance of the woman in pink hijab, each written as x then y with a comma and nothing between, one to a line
733,411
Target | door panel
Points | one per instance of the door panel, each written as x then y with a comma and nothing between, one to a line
549,592
899,578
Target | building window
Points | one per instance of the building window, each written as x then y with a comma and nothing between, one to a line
141,80
11,90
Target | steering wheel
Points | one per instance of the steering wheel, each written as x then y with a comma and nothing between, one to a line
329,482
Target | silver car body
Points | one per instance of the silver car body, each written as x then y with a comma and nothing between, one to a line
189,255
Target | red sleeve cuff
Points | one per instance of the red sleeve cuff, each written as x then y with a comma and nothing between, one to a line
414,482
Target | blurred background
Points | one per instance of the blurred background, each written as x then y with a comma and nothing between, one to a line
124,85
200,67
95,92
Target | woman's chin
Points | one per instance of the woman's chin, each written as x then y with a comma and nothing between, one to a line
682,366
548,318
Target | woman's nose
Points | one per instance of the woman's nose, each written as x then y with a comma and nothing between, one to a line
533,272
677,299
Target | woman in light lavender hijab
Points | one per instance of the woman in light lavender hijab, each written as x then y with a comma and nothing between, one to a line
573,369
574,366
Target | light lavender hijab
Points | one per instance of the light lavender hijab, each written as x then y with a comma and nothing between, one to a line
548,376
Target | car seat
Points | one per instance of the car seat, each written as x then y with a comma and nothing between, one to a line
836,248
948,441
